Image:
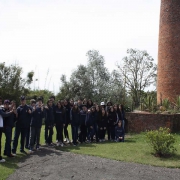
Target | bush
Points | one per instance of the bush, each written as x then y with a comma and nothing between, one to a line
161,141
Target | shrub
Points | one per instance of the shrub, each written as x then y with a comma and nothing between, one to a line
161,141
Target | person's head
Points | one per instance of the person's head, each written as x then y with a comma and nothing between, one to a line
59,105
93,109
65,102
52,98
84,108
75,105
119,123
71,102
23,100
103,111
85,101
79,101
97,108
109,103
115,107
40,101
90,102
121,107
6,104
32,102
62,102
49,103
111,109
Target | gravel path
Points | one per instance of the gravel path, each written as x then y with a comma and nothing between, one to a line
52,164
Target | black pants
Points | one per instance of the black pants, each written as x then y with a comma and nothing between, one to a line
48,134
1,131
83,133
8,134
109,132
66,134
27,138
59,130
102,133
17,132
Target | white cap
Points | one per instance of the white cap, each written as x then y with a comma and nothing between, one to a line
102,103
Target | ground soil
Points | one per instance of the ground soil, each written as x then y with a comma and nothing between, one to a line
52,164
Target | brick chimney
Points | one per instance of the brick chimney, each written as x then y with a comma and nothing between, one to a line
168,81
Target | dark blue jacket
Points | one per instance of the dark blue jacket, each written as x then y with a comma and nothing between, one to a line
112,118
82,117
37,116
68,109
75,117
102,121
49,117
59,115
4,114
119,132
24,118
90,119
9,121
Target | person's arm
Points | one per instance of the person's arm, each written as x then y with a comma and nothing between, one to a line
5,114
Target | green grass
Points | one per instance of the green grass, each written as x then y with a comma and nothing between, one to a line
134,149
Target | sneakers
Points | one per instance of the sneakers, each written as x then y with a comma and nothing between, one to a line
2,160
31,151
62,144
23,151
65,139
11,156
58,144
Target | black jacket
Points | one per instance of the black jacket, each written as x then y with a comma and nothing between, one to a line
59,115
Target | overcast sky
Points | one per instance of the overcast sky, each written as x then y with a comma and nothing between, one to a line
56,34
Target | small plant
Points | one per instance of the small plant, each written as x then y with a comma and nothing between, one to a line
166,103
161,141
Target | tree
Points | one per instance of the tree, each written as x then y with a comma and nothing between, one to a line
12,85
138,72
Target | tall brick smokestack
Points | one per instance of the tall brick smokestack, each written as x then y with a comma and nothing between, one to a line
168,81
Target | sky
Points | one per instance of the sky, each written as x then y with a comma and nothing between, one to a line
52,37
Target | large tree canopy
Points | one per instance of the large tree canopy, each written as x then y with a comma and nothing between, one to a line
138,72
12,85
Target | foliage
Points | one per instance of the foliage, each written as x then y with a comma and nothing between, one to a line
92,81
34,94
177,103
161,141
166,104
148,101
12,85
138,72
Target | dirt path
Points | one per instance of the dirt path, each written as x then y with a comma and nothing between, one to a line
51,164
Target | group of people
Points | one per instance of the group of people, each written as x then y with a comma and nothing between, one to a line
89,122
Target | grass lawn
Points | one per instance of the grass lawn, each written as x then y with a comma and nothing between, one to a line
134,149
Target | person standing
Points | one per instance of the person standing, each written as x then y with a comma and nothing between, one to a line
60,119
8,126
3,114
75,121
35,125
22,125
49,122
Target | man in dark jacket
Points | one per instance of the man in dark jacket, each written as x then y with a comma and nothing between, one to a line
8,125
22,125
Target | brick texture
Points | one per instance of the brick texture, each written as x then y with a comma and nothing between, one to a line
139,122
168,82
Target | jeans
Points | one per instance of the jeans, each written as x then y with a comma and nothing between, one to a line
74,133
34,134
66,134
8,134
90,133
48,134
96,132
17,132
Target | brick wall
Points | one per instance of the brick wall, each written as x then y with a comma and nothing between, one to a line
139,122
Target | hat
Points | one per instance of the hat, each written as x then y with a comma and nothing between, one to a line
6,101
22,98
102,103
